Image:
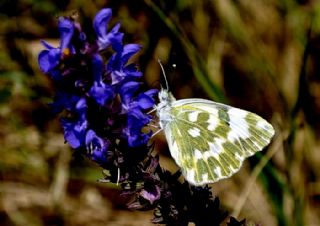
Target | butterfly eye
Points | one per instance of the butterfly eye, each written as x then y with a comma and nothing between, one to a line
163,95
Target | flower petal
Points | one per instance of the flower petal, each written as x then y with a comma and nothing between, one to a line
144,101
101,92
101,20
64,100
66,29
152,194
48,59
97,67
105,39
127,90
74,132
46,45
135,122
116,38
97,147
128,51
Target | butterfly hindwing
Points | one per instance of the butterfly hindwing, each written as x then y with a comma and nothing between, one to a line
209,141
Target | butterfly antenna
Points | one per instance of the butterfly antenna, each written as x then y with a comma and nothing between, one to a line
164,75
118,177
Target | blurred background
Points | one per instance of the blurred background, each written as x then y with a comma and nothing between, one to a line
262,56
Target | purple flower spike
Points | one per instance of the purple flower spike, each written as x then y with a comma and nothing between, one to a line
105,39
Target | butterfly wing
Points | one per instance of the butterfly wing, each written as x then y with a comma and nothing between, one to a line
209,140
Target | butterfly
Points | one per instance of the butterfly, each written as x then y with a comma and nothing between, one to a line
208,140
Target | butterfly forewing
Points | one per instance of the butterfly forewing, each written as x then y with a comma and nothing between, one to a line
209,141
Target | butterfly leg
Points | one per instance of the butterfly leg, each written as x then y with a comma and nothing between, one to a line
153,135
151,111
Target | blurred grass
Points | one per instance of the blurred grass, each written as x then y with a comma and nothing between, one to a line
260,55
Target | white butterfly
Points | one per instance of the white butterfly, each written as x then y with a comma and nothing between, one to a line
209,140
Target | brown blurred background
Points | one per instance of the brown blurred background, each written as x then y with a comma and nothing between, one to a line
261,55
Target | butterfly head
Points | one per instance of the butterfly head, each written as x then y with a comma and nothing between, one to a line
164,106
165,98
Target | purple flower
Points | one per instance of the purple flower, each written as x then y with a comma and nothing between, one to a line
74,132
66,29
126,93
133,130
134,107
152,195
99,91
118,66
97,147
64,100
75,128
49,58
105,39
145,100
151,190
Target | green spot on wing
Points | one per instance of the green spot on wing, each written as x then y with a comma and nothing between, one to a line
224,116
